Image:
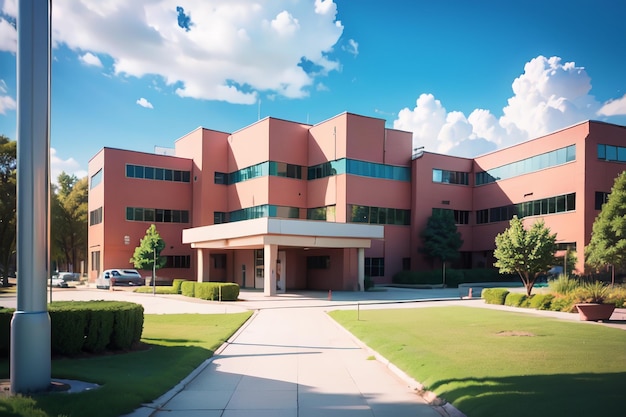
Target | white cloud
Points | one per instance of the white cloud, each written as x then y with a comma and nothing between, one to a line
614,107
8,36
69,166
549,95
234,50
352,47
6,102
144,103
91,59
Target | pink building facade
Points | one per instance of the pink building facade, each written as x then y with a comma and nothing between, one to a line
285,206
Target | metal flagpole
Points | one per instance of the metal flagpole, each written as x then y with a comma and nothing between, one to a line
30,361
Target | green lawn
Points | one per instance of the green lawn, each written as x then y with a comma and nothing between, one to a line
178,344
495,363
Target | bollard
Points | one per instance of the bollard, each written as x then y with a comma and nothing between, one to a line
111,284
330,295
469,295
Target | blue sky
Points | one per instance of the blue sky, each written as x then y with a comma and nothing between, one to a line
465,77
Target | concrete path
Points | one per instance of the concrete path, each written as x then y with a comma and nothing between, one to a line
293,362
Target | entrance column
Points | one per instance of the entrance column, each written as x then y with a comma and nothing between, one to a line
270,254
203,265
361,268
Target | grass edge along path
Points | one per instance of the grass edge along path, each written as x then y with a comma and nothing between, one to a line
488,362
177,344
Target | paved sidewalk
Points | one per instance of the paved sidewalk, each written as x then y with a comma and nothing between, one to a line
288,363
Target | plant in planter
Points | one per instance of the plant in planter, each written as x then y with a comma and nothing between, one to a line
591,302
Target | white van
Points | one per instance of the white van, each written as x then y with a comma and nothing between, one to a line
119,277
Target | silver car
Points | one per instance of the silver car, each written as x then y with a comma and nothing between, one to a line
119,277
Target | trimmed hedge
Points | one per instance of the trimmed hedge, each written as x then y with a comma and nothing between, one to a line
541,301
176,283
211,290
89,326
454,277
494,295
516,299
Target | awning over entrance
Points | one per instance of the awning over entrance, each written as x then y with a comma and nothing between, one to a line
270,233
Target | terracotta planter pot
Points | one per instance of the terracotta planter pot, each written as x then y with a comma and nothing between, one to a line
595,312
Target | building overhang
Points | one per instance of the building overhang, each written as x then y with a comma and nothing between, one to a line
256,233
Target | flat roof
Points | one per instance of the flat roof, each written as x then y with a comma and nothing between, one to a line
283,232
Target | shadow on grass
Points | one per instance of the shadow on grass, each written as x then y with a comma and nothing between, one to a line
584,394
127,381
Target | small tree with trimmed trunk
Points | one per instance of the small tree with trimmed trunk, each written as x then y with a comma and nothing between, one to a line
144,255
529,253
441,239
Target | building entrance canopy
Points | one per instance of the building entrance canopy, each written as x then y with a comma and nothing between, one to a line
270,233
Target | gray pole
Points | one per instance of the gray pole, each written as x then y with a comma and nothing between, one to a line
30,327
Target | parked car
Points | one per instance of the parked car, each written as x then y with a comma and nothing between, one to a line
57,281
119,277
67,276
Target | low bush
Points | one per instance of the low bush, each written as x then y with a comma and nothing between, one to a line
541,301
617,296
228,291
494,295
159,289
564,284
176,285
188,288
454,277
89,326
515,299
563,303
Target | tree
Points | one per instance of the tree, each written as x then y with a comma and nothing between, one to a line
441,238
8,206
608,236
144,255
69,216
529,253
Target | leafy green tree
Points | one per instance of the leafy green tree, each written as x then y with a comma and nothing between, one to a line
441,239
529,253
608,236
8,202
69,216
144,255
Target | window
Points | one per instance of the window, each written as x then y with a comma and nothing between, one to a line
95,179
601,198
318,262
95,261
612,153
95,216
219,217
140,214
282,169
551,205
528,165
159,174
450,177
378,215
460,216
178,261
375,267
219,261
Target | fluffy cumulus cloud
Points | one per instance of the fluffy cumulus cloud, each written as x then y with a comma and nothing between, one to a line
144,103
226,50
58,165
549,95
6,102
90,59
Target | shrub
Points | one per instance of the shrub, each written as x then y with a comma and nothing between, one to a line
541,301
98,332
127,326
176,285
494,295
564,284
617,296
212,290
67,329
188,288
159,289
595,292
6,314
515,299
563,303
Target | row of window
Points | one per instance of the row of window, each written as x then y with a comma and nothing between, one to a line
95,216
612,153
360,168
378,215
153,173
460,216
528,165
178,261
321,213
140,214
450,177
256,212
550,205
277,169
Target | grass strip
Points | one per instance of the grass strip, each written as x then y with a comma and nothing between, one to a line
177,345
489,363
